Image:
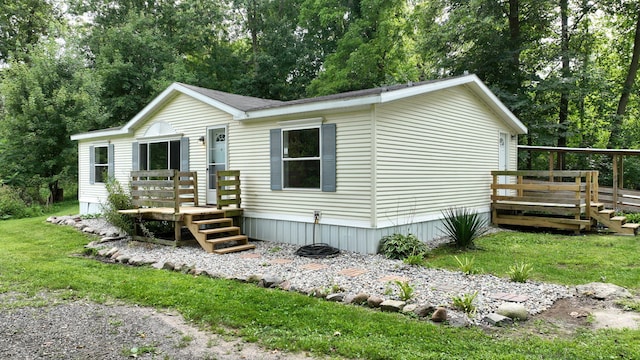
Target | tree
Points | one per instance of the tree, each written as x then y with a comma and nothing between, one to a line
44,102
375,50
615,137
22,23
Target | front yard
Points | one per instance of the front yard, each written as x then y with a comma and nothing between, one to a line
35,257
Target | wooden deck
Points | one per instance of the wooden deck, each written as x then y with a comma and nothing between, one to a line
170,195
565,200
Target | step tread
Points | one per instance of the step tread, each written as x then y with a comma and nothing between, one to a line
234,249
631,226
606,211
212,221
618,218
225,239
220,230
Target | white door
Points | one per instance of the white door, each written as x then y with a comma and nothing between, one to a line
503,160
216,158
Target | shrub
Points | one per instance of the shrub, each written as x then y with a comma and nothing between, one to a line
11,205
117,199
398,246
463,226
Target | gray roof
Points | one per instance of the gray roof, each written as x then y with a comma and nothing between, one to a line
239,102
247,103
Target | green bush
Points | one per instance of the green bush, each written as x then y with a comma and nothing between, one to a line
11,205
117,199
463,226
399,246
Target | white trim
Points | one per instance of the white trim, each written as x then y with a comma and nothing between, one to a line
362,224
301,123
98,134
284,158
412,219
324,220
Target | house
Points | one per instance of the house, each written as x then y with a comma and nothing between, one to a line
364,164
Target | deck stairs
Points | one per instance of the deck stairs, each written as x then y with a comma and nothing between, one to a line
217,233
615,224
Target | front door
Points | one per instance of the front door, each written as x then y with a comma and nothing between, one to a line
216,158
503,160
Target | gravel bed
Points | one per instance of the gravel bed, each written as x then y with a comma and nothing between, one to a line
434,287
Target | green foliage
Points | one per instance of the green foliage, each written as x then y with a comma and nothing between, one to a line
117,199
463,226
406,290
465,303
416,260
399,246
520,272
631,217
11,205
45,101
466,265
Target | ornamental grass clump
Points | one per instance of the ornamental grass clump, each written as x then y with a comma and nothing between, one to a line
463,226
399,246
520,272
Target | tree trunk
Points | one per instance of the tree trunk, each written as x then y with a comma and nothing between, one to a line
563,116
616,122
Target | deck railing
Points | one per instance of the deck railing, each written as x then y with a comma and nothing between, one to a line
556,193
164,188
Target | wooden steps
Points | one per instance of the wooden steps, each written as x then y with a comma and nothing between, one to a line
212,230
615,224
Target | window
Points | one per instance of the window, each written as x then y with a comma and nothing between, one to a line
160,155
304,158
301,158
100,163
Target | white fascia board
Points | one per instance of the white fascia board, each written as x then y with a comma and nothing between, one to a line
426,88
99,134
309,107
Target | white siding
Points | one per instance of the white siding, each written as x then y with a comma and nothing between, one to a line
190,118
249,153
434,151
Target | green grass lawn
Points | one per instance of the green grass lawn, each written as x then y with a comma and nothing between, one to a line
35,256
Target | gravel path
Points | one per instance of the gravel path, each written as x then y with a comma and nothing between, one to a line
349,273
45,327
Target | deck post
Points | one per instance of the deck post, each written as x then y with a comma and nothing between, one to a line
615,182
587,198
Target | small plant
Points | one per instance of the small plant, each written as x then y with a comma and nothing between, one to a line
630,305
275,249
398,246
417,260
463,226
134,352
406,290
465,303
466,265
519,272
